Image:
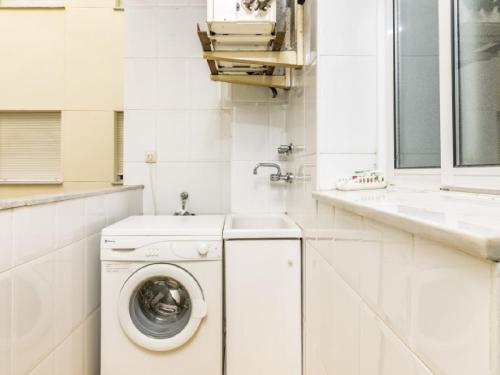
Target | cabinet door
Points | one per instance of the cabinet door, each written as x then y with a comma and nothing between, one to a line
263,307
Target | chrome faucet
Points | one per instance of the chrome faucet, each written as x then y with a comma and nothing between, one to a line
275,177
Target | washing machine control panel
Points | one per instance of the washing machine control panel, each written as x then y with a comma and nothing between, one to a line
158,249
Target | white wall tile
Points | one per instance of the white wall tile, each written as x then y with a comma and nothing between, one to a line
92,275
5,323
209,136
69,355
203,181
70,221
139,135
347,27
135,202
177,29
255,194
92,339
173,84
205,93
5,240
95,214
140,79
451,310
142,174
277,128
173,135
46,367
347,106
141,33
34,233
33,307
116,207
68,289
250,131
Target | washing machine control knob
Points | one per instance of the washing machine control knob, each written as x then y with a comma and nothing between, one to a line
203,249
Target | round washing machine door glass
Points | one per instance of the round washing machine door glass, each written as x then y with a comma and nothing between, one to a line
161,307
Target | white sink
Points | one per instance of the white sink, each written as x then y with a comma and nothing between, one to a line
260,227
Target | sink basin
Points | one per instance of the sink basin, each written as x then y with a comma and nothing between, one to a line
260,227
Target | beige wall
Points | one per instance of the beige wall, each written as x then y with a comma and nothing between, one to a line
69,60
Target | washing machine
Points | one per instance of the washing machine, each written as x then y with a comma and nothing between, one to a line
162,296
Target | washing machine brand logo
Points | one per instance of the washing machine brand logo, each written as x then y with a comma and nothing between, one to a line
152,253
109,241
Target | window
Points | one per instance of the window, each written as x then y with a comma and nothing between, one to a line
477,83
119,146
416,84
30,147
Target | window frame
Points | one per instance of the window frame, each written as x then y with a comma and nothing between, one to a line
454,176
449,176
428,177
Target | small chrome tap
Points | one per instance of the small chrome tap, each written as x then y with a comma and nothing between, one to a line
275,177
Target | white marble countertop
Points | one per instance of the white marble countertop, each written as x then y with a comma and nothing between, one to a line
466,221
33,200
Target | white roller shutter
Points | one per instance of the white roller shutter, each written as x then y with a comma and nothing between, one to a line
30,147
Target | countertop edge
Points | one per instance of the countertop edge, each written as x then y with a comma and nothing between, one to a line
487,248
33,200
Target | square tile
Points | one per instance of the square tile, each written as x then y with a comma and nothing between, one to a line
70,221
250,131
95,214
173,84
6,323
140,82
69,355
5,240
34,232
68,291
347,116
141,32
92,275
209,136
33,314
173,135
347,27
139,135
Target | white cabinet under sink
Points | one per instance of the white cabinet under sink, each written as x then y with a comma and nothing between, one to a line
263,300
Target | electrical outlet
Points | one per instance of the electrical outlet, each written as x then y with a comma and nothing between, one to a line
150,157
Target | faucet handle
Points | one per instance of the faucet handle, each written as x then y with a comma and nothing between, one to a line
289,149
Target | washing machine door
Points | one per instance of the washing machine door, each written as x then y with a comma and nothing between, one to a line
161,307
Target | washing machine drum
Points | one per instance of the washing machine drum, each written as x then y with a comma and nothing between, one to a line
161,307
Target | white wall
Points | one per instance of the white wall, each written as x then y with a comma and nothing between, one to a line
347,88
380,301
332,109
207,136
50,283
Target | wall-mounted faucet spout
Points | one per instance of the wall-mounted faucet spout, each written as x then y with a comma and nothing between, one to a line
267,165
275,177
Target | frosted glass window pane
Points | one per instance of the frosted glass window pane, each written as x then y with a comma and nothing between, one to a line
417,84
477,83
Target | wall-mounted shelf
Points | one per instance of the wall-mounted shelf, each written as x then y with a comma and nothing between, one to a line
254,66
283,59
273,81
